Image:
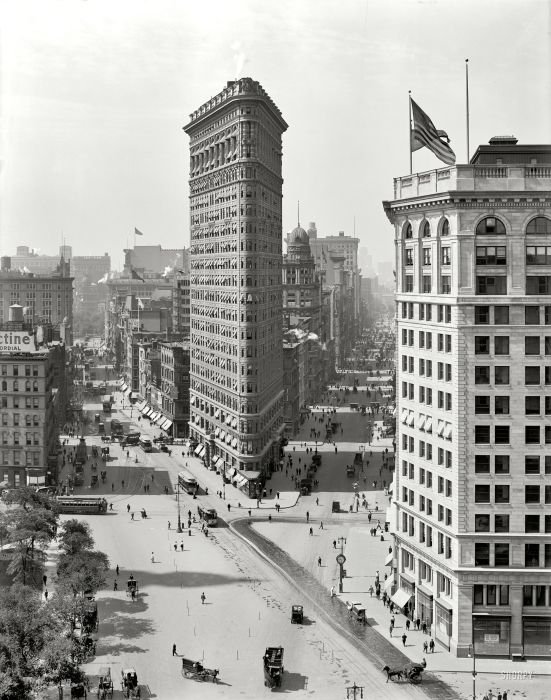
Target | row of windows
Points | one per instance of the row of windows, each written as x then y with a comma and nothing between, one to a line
533,493
444,287
532,345
535,555
17,439
490,594
532,375
532,315
444,341
444,311
445,256
15,386
19,370
502,464
15,402
444,543
444,370
489,226
502,434
532,523
532,405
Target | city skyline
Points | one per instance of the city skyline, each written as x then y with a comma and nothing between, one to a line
115,84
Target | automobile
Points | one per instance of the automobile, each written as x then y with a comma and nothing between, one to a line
97,418
101,427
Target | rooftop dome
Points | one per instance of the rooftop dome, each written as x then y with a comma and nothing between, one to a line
298,235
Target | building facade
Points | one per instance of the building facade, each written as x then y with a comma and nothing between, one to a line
47,299
472,486
175,387
236,386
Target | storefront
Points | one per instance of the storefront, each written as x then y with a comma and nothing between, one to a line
424,606
248,482
491,635
536,636
443,626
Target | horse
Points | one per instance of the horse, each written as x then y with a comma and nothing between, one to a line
392,674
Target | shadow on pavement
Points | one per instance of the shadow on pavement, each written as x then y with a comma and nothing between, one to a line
293,681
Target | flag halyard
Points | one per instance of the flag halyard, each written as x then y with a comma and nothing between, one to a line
425,135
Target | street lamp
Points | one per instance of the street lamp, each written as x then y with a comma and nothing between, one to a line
473,654
340,561
178,501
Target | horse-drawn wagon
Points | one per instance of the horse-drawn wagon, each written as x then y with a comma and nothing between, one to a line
197,671
273,666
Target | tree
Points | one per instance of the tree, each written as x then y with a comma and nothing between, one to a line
75,536
25,567
82,572
28,498
35,526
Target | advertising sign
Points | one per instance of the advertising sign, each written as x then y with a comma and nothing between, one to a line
17,341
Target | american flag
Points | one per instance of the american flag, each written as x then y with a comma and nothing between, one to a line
425,134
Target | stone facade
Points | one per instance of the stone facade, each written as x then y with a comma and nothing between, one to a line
472,487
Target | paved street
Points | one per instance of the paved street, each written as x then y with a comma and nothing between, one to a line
248,602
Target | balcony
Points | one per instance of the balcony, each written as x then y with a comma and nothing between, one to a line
477,178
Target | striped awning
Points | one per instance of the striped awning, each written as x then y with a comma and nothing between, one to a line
142,406
166,425
198,449
234,442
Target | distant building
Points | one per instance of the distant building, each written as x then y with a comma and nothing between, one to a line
32,402
155,258
47,299
181,303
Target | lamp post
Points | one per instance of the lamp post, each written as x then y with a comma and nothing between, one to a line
340,561
473,654
178,501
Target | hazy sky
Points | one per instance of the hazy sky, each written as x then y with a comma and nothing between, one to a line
94,94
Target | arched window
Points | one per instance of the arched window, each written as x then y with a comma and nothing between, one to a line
539,225
445,228
425,230
408,231
490,226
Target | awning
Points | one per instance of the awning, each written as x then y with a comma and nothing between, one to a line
222,434
228,438
411,418
422,419
217,413
404,415
147,411
241,481
198,449
428,425
389,558
215,459
401,597
153,416
124,386
234,442
142,405
234,422
217,432
201,451
121,381
167,425
448,431
444,604
388,584
228,419
231,471
160,419
440,428
192,400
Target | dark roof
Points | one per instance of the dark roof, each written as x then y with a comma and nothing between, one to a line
504,150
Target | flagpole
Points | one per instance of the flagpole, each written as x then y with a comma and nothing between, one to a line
467,105
410,150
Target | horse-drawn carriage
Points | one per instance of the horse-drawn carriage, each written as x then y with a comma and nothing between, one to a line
356,612
129,683
273,666
297,614
105,683
132,588
196,670
410,672
79,690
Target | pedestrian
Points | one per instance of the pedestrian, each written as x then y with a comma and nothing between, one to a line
407,625
371,591
44,579
122,483
152,557
334,544
431,646
307,517
425,647
46,595
311,531
319,561
504,695
404,637
229,507
499,696
203,598
169,524
424,627
418,623
175,546
115,585
110,506
117,569
332,591
317,501
321,525
182,545
112,487
390,629
127,505
131,516
174,650
392,622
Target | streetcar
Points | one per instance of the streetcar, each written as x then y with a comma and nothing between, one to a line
81,504
107,403
146,444
188,482
208,515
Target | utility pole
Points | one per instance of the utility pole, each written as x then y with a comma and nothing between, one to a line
178,500
354,691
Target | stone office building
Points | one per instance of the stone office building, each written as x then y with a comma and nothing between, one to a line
472,487
236,373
